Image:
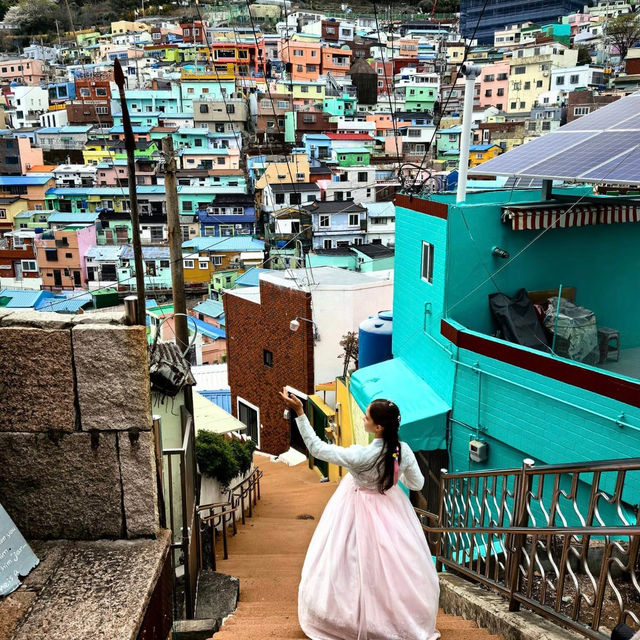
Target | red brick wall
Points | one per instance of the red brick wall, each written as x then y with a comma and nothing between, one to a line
251,329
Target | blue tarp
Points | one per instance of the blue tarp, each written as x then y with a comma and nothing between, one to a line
423,411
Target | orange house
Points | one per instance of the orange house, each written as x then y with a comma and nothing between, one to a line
30,188
336,60
303,59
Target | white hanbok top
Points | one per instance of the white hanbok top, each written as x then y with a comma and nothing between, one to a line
357,459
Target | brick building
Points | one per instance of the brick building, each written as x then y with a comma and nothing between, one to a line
263,355
583,102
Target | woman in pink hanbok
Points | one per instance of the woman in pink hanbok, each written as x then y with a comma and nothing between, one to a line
368,573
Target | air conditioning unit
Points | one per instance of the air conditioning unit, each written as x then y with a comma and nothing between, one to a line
545,73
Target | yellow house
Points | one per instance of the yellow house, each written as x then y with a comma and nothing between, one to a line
10,207
280,172
530,73
302,90
479,153
95,153
126,26
455,52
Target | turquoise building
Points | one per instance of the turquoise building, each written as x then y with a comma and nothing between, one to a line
455,381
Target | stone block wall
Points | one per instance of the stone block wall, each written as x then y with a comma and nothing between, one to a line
76,448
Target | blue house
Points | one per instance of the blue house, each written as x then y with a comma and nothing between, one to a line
229,214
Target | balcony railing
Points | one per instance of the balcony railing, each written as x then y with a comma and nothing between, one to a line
562,540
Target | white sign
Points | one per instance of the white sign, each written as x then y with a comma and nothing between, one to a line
16,557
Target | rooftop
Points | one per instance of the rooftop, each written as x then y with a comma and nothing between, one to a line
325,277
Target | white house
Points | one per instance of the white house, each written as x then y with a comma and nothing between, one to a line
28,103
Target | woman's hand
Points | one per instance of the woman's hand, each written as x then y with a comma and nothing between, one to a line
292,402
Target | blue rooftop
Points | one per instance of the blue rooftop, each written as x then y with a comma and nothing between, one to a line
65,304
23,298
73,218
206,329
251,278
148,253
211,308
481,147
19,181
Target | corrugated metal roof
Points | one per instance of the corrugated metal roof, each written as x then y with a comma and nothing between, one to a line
380,209
206,329
11,181
212,308
150,253
215,245
72,218
71,304
23,298
211,377
105,252
220,398
251,278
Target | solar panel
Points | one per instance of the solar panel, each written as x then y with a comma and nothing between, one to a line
607,116
515,182
517,160
587,155
600,146
621,169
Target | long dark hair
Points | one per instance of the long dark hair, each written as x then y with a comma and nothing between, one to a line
386,414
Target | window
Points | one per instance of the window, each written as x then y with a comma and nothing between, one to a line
101,92
187,205
527,86
283,104
279,198
546,126
559,80
519,70
522,105
539,84
204,108
487,93
489,78
326,244
362,176
324,221
29,265
267,357
300,177
500,92
354,219
574,79
298,52
248,414
217,261
103,111
203,263
427,262
165,264
3,214
581,111
188,264
231,108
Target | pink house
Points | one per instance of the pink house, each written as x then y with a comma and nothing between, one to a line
195,158
494,85
29,156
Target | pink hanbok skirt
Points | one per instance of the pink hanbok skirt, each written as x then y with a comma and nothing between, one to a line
368,573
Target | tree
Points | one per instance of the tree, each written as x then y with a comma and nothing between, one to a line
622,32
349,343
34,16
584,57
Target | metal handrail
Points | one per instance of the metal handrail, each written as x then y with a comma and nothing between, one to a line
551,538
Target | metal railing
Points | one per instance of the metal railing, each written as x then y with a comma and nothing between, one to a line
562,540
218,516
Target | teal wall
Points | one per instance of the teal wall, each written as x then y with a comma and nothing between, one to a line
344,262
523,414
601,261
379,264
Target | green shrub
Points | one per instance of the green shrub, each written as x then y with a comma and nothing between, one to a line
216,457
221,458
243,452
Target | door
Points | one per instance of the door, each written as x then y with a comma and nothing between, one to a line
248,415
77,279
109,272
17,270
57,278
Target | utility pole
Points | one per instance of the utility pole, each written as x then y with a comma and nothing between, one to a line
130,146
175,245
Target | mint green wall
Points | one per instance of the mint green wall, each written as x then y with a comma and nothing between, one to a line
379,264
289,126
344,262
348,158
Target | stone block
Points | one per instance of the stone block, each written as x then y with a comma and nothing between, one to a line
138,470
67,486
38,319
36,380
12,610
100,318
112,369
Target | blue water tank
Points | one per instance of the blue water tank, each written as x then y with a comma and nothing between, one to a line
374,339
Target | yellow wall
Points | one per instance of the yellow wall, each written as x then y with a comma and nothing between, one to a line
485,155
299,163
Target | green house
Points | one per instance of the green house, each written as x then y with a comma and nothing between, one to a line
353,156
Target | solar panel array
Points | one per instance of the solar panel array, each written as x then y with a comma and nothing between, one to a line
603,146
514,182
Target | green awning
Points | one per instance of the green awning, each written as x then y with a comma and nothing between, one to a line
423,411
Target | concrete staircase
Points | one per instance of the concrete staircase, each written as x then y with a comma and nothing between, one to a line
268,552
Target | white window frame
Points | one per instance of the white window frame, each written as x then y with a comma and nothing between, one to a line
26,263
216,260
427,252
203,263
240,399
320,219
188,264
357,217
